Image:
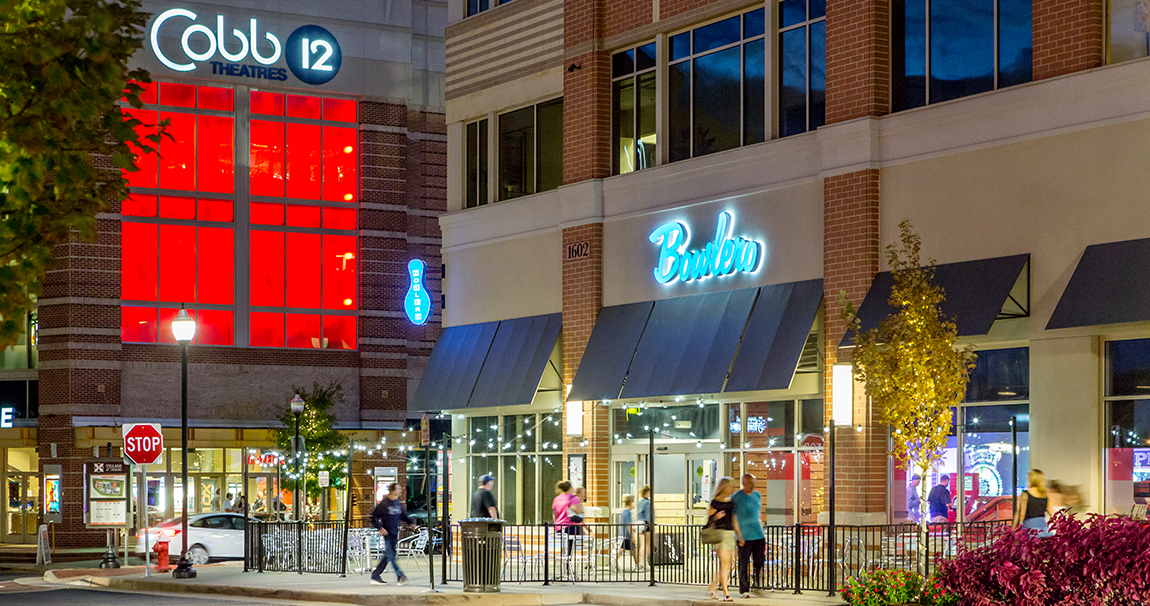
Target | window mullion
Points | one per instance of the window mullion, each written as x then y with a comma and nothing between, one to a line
240,214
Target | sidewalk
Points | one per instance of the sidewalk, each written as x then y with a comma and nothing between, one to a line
230,579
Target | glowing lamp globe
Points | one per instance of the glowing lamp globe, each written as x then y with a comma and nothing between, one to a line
184,327
297,404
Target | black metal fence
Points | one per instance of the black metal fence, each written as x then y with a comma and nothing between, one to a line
798,557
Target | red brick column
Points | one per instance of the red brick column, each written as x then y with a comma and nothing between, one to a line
582,298
850,261
586,93
1067,36
858,59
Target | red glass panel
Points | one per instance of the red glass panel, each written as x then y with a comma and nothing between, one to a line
267,268
180,95
341,110
303,107
263,213
215,327
215,210
339,218
138,270
271,104
148,95
339,332
178,154
147,163
167,314
303,281
303,331
139,206
266,329
216,265
339,164
212,97
339,272
217,150
303,161
138,324
267,168
174,207
177,264
302,216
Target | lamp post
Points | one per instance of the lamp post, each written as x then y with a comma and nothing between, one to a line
184,328
297,404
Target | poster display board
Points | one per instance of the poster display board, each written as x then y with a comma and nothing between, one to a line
575,465
106,493
51,492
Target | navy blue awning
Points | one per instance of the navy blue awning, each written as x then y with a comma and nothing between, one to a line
453,368
688,344
1109,286
609,352
516,361
975,294
777,330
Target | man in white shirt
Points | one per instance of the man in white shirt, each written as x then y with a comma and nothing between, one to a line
227,505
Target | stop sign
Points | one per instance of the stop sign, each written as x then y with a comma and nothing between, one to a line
143,443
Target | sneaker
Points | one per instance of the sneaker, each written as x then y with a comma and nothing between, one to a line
375,581
402,582
745,596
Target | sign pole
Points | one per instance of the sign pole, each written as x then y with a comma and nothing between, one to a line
425,439
143,504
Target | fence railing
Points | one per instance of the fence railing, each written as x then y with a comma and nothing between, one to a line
798,557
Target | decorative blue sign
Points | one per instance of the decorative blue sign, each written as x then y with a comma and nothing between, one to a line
313,54
418,302
724,256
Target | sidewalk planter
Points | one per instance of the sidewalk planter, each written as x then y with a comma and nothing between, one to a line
890,587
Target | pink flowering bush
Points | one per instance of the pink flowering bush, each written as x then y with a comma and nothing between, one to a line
1090,561
881,588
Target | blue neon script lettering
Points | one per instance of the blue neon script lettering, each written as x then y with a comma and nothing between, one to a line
418,302
723,256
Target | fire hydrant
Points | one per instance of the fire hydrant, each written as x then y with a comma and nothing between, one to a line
161,551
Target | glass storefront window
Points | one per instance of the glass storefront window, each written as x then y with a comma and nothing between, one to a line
206,460
1129,30
1128,456
551,428
682,422
770,424
235,460
483,434
1000,374
509,448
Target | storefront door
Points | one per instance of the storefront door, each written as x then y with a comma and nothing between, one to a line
683,483
21,507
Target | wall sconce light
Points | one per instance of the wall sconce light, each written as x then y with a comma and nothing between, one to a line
842,394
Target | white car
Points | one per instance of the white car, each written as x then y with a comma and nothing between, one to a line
211,535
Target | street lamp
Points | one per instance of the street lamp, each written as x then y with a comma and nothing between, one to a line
297,404
184,328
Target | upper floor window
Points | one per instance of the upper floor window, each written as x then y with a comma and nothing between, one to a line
531,150
476,158
716,87
474,7
803,65
633,102
946,49
1129,30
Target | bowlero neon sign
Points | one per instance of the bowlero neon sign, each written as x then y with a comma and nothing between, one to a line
724,256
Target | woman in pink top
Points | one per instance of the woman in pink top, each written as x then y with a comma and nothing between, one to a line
563,506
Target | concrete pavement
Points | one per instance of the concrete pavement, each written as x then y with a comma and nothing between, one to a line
230,579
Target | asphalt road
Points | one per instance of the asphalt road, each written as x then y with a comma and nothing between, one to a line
13,594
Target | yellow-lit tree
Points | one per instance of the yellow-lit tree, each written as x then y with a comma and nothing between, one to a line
913,369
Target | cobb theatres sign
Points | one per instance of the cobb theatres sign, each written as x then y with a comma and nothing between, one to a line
311,52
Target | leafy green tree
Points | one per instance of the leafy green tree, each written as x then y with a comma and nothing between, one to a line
321,440
63,137
913,369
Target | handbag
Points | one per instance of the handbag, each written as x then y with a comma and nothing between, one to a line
709,535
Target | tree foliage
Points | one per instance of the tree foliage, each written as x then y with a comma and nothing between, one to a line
63,137
913,370
321,439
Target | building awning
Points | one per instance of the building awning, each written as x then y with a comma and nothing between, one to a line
688,344
496,363
609,352
516,361
976,294
776,333
1109,286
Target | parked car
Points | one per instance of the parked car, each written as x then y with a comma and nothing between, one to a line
210,536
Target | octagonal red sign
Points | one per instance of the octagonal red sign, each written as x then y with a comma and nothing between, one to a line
143,443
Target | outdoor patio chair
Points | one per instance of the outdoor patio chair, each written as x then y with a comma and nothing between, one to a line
414,545
518,558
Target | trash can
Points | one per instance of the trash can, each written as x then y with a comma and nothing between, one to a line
482,540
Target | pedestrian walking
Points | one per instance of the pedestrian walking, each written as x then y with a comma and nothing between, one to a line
242,505
939,500
387,516
563,507
627,519
749,512
643,516
215,504
913,500
483,502
721,518
227,505
1034,505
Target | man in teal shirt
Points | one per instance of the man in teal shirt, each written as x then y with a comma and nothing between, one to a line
748,511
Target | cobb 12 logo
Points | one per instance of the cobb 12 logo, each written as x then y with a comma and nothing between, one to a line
312,53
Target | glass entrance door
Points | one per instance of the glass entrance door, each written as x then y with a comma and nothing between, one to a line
21,507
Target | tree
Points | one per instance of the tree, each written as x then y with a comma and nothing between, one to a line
912,368
63,137
321,440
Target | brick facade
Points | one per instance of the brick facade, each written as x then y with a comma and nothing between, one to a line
858,59
1068,36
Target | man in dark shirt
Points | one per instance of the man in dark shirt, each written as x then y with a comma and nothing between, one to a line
482,502
386,517
939,500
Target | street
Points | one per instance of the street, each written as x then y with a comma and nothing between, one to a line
15,594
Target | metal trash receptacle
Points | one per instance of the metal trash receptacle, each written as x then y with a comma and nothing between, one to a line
482,540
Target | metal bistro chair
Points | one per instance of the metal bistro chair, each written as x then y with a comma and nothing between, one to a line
518,558
414,545
358,550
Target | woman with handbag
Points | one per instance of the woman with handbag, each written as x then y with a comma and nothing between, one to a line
722,533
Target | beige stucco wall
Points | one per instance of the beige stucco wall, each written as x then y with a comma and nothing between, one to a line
504,279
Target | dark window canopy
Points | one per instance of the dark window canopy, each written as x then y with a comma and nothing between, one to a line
1109,286
977,293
